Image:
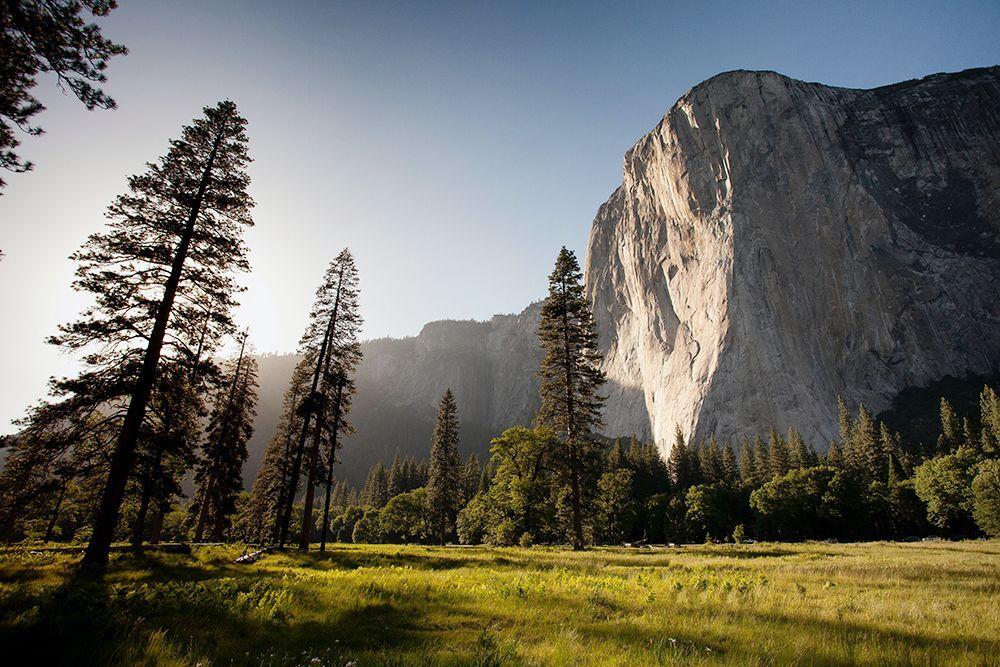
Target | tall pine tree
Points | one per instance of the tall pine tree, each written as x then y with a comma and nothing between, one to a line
318,344
570,377
167,257
262,515
444,483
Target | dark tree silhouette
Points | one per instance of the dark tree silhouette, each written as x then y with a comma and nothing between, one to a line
41,36
167,445
261,519
219,473
323,343
166,259
444,485
570,374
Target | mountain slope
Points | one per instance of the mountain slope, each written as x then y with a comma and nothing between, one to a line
489,365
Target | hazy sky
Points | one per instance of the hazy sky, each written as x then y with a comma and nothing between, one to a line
453,147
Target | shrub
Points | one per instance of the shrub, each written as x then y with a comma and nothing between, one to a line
986,497
474,521
406,517
944,483
739,534
368,529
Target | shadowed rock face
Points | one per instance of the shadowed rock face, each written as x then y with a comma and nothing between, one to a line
775,243
489,365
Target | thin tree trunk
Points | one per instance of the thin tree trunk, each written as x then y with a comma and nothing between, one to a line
219,528
96,555
293,482
306,533
314,459
571,434
139,527
50,530
154,534
300,450
333,459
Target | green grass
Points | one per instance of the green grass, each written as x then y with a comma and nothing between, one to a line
922,603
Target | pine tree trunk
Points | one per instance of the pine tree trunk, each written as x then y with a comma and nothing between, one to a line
154,534
329,468
96,555
305,535
293,481
50,530
219,528
571,433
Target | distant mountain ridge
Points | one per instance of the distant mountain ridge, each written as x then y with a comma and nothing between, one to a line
489,365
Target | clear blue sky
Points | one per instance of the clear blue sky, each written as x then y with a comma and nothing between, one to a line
453,147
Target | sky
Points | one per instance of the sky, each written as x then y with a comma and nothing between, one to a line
453,147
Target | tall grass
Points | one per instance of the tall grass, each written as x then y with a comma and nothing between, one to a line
921,603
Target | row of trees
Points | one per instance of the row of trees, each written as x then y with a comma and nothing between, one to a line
869,485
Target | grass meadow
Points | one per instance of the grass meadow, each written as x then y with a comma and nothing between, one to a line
927,603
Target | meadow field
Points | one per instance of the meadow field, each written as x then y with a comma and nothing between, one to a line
927,603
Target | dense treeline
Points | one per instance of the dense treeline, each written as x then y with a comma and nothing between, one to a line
869,485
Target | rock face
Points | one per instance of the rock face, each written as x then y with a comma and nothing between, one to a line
775,244
489,365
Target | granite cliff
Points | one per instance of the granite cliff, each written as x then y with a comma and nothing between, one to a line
775,244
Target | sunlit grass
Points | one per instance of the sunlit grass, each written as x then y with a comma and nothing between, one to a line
920,603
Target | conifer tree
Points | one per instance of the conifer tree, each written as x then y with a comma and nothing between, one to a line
863,452
798,452
470,478
748,465
616,456
167,446
375,492
762,462
679,463
167,257
333,398
730,466
570,376
834,458
444,482
780,458
333,320
219,474
989,418
951,429
43,36
395,476
846,422
710,461
262,515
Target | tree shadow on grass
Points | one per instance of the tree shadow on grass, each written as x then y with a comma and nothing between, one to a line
174,614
